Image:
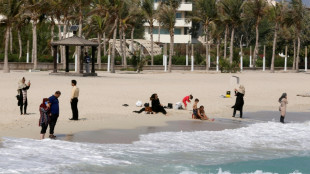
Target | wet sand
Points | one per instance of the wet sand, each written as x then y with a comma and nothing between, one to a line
127,136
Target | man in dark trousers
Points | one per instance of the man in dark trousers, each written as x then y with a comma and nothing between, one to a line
54,112
74,100
87,61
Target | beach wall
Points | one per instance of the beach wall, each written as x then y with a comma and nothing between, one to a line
50,66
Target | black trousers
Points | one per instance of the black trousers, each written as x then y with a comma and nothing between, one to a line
25,107
52,123
161,109
43,130
235,110
74,108
282,119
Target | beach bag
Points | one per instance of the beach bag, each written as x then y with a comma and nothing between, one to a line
178,105
170,105
139,104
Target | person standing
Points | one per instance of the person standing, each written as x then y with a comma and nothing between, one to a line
239,100
54,112
87,61
283,102
44,117
74,100
22,95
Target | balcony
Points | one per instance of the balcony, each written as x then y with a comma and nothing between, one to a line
180,22
185,6
165,38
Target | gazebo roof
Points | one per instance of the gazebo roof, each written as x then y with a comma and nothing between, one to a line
74,41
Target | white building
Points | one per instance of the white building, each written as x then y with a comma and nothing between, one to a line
182,27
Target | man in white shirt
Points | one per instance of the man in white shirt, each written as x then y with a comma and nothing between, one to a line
74,100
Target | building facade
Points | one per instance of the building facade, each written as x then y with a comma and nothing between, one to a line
181,29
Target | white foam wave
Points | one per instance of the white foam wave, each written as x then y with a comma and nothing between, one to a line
258,141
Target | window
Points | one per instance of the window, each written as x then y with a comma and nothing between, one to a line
178,15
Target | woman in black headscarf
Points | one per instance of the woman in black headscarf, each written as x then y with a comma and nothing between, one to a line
239,100
156,106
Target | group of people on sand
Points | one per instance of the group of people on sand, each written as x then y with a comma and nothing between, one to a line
49,108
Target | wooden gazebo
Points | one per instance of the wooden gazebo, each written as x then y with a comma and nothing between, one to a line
75,41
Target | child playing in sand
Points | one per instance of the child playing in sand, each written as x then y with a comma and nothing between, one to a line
187,99
195,109
202,114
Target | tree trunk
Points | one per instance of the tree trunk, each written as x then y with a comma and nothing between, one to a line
80,35
298,52
20,44
120,33
231,52
6,68
59,38
152,44
104,45
225,42
131,43
171,49
34,44
113,47
207,47
11,41
274,48
52,37
125,48
256,45
294,60
99,52
159,33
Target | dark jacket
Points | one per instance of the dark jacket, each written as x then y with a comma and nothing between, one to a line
21,97
239,101
156,107
54,105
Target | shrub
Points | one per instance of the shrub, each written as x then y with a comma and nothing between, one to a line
226,67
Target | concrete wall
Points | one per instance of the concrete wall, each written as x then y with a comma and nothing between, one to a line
50,66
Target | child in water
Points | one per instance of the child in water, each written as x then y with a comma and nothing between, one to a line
187,99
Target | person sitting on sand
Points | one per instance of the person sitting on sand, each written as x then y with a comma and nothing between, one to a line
146,108
156,106
195,109
202,114
187,99
239,100
282,108
44,116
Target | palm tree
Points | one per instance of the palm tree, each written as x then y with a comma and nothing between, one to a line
80,5
277,13
34,9
256,9
9,9
206,13
295,17
167,19
233,11
98,25
149,13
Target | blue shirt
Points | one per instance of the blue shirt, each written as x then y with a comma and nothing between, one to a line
54,104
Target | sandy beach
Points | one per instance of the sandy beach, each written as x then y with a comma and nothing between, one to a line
101,98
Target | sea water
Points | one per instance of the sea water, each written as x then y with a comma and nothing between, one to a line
261,148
